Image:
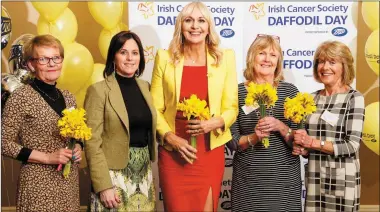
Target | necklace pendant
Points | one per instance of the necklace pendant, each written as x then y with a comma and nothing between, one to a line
193,61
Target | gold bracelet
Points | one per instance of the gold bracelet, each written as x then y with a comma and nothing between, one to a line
289,132
249,141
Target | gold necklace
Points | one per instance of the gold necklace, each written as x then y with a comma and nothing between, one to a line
192,61
47,94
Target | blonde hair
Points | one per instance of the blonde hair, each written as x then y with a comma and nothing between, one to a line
258,45
337,51
176,47
41,40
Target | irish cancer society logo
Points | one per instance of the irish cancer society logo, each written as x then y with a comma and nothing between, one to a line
227,33
257,10
146,9
339,31
149,53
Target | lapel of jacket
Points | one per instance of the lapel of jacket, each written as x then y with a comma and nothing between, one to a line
178,77
117,101
211,81
146,94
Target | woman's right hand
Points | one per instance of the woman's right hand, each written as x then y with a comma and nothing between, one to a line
61,156
109,198
261,133
182,146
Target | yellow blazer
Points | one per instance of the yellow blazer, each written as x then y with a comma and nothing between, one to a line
107,116
222,93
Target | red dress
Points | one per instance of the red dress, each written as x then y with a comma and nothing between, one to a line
185,186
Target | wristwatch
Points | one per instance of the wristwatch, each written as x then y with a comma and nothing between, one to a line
322,144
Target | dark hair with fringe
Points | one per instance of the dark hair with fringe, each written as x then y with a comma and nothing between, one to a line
116,43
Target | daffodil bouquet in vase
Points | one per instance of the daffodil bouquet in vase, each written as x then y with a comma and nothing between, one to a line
262,95
194,108
298,108
72,125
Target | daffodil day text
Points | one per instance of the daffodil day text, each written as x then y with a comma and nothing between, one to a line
334,14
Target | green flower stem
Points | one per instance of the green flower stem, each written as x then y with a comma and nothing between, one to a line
301,125
263,110
66,169
263,113
193,141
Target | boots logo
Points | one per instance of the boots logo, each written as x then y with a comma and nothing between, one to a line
146,9
227,33
257,10
339,31
226,205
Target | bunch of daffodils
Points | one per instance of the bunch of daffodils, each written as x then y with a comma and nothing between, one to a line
72,125
194,108
262,95
298,108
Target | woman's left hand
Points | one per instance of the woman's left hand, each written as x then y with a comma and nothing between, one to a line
268,124
196,127
302,139
77,153
298,150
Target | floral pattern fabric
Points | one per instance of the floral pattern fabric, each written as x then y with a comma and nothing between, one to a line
134,185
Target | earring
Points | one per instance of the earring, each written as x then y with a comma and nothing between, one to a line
114,67
182,38
137,73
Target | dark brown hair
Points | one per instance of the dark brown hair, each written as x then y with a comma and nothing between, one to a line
116,43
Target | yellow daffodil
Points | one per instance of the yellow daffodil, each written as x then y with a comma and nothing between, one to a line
73,125
298,108
194,108
263,95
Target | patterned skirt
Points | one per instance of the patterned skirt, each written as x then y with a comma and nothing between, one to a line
134,185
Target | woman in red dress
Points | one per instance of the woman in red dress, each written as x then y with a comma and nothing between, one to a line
194,64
